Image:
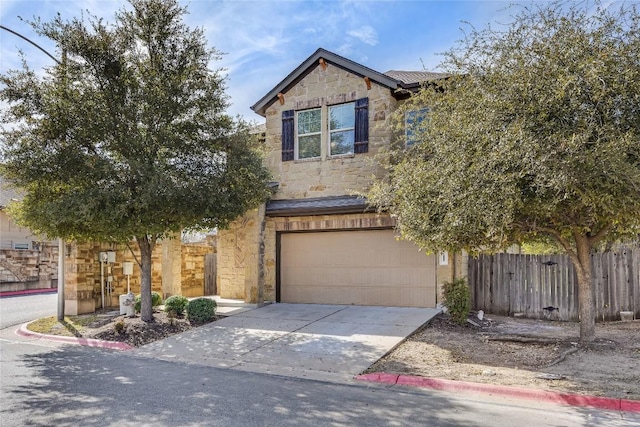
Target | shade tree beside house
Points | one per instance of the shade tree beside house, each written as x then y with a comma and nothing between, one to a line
537,136
127,139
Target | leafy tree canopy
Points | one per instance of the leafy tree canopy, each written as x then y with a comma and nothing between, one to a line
535,134
127,137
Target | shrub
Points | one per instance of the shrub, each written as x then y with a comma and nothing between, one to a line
457,299
177,304
171,315
119,326
201,310
156,300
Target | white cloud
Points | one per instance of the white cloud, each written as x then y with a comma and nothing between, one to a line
365,34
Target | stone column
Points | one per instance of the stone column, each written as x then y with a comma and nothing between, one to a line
238,274
79,280
172,266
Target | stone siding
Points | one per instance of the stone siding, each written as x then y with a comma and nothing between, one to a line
29,269
192,272
83,277
328,176
238,256
247,250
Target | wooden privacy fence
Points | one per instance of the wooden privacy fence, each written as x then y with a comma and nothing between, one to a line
506,284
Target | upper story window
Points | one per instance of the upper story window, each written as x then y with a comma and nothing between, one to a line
342,121
412,121
309,133
345,130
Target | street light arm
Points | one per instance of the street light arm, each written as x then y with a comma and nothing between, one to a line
32,42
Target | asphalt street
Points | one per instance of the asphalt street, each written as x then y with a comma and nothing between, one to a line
51,384
16,310
46,383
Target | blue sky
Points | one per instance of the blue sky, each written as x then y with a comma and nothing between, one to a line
265,40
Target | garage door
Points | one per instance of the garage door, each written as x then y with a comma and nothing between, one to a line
355,267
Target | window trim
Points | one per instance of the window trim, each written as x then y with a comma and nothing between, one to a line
330,131
298,135
289,144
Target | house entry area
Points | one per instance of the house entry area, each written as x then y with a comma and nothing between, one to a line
355,267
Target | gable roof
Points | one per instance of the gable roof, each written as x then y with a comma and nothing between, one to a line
393,79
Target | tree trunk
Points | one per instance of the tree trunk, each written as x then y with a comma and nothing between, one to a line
582,263
145,243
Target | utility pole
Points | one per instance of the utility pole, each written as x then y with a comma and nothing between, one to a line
61,244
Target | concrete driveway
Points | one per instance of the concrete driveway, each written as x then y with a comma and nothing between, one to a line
322,342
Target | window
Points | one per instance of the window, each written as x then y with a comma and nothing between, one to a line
341,129
413,125
309,133
304,135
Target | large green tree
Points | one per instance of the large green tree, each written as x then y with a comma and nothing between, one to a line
535,135
127,139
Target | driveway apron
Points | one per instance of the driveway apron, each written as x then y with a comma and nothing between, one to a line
324,342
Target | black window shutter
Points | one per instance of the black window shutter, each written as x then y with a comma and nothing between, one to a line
361,144
288,135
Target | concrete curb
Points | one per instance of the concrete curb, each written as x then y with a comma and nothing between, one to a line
607,403
89,342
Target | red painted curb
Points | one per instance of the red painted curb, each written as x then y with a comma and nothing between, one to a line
629,405
608,403
89,342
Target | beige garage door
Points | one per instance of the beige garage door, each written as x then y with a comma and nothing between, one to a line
355,267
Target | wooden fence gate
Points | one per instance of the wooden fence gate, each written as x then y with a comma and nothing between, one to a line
506,284
210,287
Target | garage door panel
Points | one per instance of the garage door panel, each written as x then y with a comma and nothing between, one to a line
355,267
394,297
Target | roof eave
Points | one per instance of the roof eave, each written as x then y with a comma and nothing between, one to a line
330,57
317,206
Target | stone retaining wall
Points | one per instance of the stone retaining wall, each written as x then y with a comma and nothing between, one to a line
29,269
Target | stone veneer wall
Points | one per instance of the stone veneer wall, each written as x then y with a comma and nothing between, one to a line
29,269
192,272
328,176
82,274
238,257
246,251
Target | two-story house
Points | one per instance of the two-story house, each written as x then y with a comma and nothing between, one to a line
315,241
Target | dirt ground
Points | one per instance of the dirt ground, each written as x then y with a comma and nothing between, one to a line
133,331
524,353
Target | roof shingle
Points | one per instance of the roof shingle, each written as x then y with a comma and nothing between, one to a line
415,77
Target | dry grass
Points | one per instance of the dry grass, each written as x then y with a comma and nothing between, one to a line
72,326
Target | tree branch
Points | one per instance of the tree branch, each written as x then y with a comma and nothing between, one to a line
553,233
563,242
134,255
599,235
